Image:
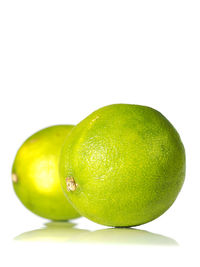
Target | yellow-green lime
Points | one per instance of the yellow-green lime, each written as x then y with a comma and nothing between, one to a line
35,174
123,165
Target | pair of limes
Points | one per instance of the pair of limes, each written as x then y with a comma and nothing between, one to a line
123,165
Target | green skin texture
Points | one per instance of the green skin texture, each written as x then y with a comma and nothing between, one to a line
36,166
128,163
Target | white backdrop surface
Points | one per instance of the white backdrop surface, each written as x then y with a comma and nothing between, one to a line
61,60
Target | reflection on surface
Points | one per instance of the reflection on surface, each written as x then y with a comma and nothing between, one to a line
127,236
66,232
52,232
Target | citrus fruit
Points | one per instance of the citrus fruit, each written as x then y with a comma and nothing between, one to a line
35,174
123,165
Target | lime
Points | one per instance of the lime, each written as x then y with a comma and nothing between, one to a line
35,174
123,165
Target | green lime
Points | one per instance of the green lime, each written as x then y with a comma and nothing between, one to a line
35,174
123,165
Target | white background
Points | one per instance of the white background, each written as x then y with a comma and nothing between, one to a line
61,60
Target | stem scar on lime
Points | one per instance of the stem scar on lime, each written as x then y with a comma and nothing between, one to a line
14,178
71,184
